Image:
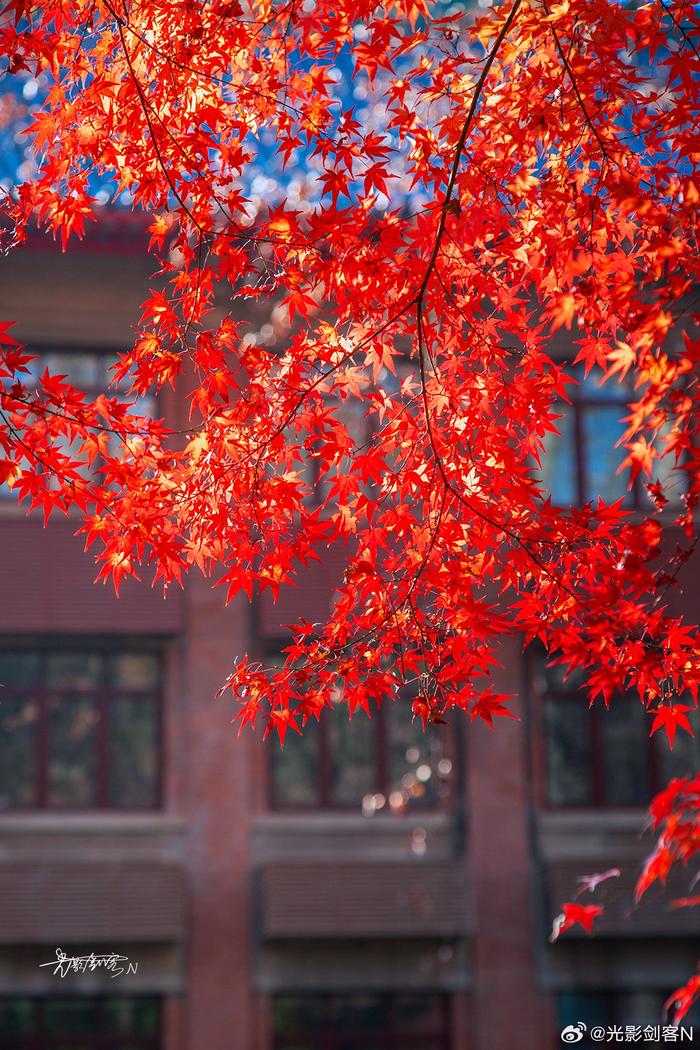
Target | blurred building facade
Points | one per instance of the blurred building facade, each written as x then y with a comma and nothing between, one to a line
369,888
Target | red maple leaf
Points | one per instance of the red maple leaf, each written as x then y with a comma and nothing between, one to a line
573,914
670,717
490,706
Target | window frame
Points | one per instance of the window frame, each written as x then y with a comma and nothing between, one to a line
100,1040
580,402
596,742
105,696
381,744
393,1039
538,696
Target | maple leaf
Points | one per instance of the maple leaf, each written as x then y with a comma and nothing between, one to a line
564,311
669,717
620,360
490,706
280,721
9,470
656,868
573,914
683,998
686,902
375,178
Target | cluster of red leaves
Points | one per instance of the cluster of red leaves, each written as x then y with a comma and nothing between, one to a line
675,817
553,151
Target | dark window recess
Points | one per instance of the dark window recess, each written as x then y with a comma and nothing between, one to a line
80,727
581,462
382,762
602,756
76,1023
360,1022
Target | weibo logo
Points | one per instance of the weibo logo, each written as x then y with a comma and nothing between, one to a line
573,1033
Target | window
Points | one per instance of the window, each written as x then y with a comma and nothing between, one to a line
360,1022
580,463
75,1023
79,726
383,762
641,1009
91,372
605,757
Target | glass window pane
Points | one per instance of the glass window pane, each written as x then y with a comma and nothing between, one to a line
592,1008
624,732
133,751
143,406
639,1008
555,679
137,671
72,751
559,460
73,670
413,754
19,717
18,668
17,1017
81,369
602,429
70,1016
131,1016
105,379
418,1014
295,768
683,761
590,386
359,1013
353,756
304,1013
32,371
568,749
